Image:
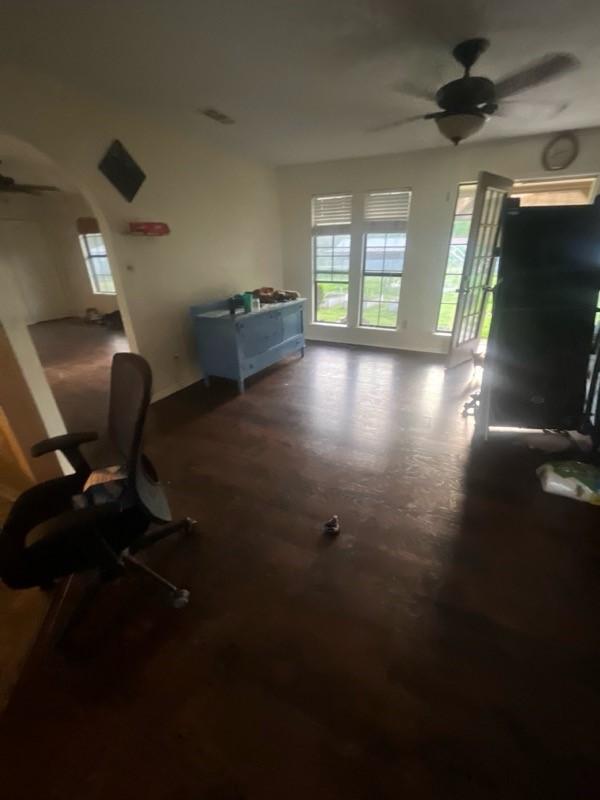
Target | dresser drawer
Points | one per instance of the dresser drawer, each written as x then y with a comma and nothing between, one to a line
259,332
249,366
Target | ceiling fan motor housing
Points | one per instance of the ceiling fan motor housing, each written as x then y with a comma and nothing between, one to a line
466,94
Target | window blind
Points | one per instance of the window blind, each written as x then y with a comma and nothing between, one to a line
387,206
332,210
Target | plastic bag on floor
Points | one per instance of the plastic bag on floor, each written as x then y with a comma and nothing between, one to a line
571,479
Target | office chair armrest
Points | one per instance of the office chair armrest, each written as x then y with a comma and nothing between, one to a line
68,441
68,444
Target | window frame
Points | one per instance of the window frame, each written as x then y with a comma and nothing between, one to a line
357,228
331,231
90,259
381,227
382,274
334,229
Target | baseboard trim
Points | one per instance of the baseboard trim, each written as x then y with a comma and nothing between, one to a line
160,394
372,346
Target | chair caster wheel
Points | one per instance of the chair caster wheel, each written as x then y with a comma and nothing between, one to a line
180,598
190,525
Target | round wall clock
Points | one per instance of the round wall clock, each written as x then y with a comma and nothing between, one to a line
560,152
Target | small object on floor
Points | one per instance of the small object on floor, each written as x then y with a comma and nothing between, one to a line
93,315
478,359
572,479
332,526
471,406
113,320
548,441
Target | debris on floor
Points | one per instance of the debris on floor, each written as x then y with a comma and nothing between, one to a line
332,526
557,441
572,479
470,408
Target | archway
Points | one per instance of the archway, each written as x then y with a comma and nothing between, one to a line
61,290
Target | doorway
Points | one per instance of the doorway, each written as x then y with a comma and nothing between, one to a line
53,248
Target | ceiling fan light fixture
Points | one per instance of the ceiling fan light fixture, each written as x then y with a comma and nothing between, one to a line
459,126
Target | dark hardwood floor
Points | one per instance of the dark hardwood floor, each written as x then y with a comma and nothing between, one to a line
76,356
445,645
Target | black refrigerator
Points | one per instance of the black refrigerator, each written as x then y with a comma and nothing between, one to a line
539,356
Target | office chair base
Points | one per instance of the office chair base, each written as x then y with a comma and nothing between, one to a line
178,597
115,566
189,525
186,525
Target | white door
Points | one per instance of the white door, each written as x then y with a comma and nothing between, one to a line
477,270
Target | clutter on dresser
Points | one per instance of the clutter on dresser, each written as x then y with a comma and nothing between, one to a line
267,295
254,300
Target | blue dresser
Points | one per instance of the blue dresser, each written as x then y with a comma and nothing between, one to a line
239,345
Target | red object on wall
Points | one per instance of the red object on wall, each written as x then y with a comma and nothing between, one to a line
149,228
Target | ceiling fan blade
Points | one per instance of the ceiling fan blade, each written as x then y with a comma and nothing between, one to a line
521,109
396,124
36,187
537,72
411,89
16,189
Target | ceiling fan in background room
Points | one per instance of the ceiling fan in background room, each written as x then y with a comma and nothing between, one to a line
9,185
466,103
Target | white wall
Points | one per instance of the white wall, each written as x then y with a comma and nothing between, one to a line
13,314
39,242
223,211
433,177
57,216
24,251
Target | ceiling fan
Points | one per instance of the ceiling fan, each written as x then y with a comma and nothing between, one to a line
466,103
10,186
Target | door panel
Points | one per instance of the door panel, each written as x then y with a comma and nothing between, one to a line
477,270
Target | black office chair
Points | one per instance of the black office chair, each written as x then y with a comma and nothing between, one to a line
71,530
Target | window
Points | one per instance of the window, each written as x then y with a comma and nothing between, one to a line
364,250
331,218
569,191
384,244
96,260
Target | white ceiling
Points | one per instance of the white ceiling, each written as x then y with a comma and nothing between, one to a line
305,79
26,164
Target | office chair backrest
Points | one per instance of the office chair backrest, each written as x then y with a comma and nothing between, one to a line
130,387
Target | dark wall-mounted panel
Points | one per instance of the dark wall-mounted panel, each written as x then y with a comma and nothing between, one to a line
122,171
